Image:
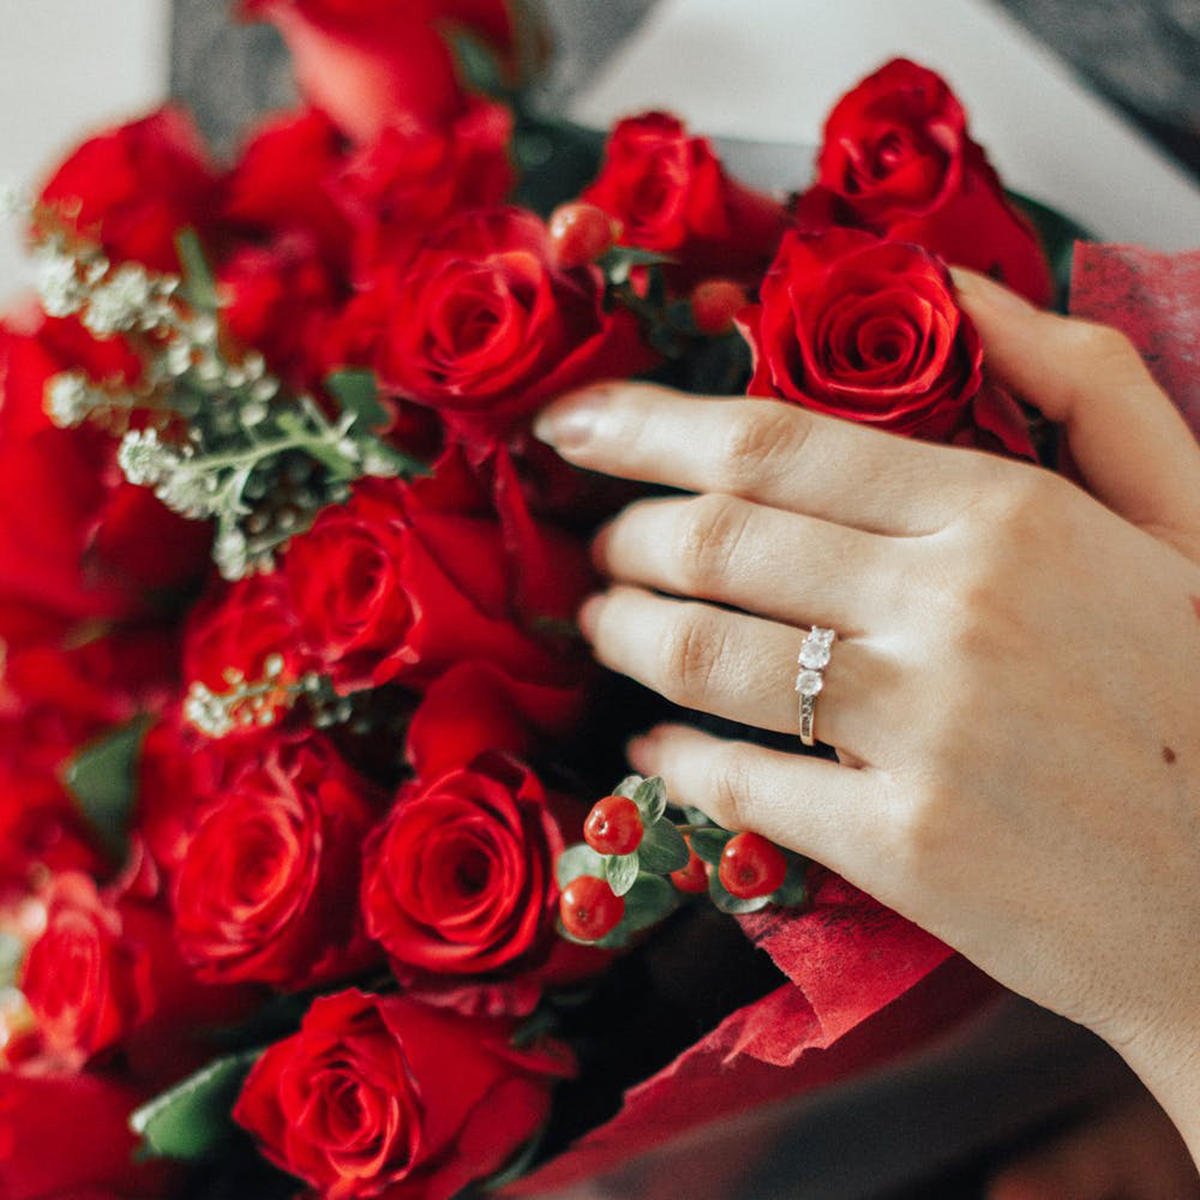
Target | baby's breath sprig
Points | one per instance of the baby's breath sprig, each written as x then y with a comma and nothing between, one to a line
263,702
207,426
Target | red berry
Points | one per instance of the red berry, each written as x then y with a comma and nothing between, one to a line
590,909
693,877
614,826
580,233
751,866
715,303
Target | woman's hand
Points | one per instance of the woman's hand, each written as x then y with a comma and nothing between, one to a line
1015,692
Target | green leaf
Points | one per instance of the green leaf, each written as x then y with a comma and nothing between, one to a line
621,870
556,159
191,1120
620,261
628,786
199,287
663,849
708,843
793,891
102,777
649,901
651,798
727,902
577,860
477,64
357,392
1058,234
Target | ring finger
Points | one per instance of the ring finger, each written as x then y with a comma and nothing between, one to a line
737,666
793,568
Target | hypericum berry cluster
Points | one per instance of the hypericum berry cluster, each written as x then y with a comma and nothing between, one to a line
217,436
635,865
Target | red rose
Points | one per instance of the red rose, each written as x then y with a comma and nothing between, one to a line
670,193
399,584
84,982
232,636
866,330
92,545
106,972
283,182
283,301
897,159
136,186
380,1095
367,64
267,888
61,1132
459,880
486,328
405,181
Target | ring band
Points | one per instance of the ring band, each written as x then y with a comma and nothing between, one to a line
813,659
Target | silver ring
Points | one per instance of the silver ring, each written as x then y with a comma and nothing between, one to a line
813,659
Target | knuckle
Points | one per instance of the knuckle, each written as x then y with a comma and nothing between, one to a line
732,788
691,650
924,830
1100,343
710,530
760,435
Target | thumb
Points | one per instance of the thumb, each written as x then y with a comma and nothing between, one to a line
1129,441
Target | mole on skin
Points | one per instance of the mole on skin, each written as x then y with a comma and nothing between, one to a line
1169,755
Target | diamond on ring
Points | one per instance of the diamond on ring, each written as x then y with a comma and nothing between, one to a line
813,659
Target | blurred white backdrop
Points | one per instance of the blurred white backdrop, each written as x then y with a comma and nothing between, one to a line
68,67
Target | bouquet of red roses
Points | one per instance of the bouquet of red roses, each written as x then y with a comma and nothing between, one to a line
300,739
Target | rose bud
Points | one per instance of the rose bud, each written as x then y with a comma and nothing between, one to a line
380,1095
866,330
671,194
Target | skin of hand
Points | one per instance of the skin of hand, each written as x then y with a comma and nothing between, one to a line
1015,691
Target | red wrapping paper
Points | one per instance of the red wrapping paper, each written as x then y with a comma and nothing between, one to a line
865,986
1154,299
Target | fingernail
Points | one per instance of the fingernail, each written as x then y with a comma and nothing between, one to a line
974,286
589,615
571,423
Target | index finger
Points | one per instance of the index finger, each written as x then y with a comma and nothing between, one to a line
770,452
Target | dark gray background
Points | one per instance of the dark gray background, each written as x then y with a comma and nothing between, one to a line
1143,54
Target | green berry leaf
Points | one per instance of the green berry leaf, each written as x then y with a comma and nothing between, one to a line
102,777
709,843
727,902
577,860
793,891
651,797
621,871
357,392
191,1120
649,901
199,287
628,786
620,261
663,849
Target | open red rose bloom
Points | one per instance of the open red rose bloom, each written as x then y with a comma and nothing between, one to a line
296,722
